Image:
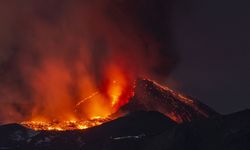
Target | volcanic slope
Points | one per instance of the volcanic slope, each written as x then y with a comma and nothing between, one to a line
151,96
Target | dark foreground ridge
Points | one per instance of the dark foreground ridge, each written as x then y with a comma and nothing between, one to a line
156,118
134,128
150,96
138,131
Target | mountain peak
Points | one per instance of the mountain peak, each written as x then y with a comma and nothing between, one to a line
151,96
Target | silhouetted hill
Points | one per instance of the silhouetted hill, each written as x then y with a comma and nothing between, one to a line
150,96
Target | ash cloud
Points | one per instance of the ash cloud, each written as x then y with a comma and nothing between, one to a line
55,52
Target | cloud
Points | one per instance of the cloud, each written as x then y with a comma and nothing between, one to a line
53,53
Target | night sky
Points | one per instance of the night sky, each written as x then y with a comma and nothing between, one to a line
203,44
213,39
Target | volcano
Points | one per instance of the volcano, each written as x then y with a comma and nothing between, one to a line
155,117
151,96
148,96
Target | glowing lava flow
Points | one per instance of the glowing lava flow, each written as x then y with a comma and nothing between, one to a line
119,87
85,99
65,125
116,91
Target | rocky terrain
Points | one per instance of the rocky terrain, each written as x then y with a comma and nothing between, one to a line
156,118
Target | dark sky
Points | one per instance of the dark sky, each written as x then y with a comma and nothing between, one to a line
54,53
213,38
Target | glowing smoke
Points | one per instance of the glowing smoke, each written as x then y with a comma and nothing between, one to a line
54,53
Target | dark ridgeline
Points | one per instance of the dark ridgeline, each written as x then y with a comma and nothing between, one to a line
150,96
144,129
80,38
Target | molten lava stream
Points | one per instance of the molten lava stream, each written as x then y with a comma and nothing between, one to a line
116,92
64,125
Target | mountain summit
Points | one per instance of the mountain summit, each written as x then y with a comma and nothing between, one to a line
151,96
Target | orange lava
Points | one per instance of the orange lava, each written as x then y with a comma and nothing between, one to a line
92,110
64,125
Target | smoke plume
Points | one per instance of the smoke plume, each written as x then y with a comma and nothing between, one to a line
55,52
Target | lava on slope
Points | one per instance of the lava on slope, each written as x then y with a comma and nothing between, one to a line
147,96
139,124
65,125
139,130
151,96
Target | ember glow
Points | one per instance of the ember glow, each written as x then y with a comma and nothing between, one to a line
65,125
119,87
74,60
116,92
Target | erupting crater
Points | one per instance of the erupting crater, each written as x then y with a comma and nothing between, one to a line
146,95
65,125
91,111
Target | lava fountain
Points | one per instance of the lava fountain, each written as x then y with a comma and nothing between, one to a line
73,63
116,91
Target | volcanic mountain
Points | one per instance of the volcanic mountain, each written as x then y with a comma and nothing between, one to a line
155,118
151,96
147,96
